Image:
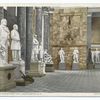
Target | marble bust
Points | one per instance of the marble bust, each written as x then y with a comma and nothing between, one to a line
75,55
4,42
15,43
62,55
35,49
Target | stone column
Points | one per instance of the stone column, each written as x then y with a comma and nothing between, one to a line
21,19
38,29
1,13
89,29
89,35
29,35
46,31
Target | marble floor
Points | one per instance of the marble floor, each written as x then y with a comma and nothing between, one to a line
64,81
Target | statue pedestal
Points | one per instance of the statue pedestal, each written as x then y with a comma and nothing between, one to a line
62,66
17,69
75,66
49,68
37,69
18,79
7,77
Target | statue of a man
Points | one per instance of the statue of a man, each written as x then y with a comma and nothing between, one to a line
97,55
35,49
15,43
4,42
41,52
62,55
75,56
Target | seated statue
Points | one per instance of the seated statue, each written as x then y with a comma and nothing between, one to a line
75,56
47,57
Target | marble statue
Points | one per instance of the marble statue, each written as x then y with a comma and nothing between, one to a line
47,57
93,56
41,52
76,56
97,59
4,42
15,43
62,55
35,49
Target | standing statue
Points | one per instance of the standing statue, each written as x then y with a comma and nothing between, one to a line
15,43
35,49
62,55
97,55
41,52
4,42
75,56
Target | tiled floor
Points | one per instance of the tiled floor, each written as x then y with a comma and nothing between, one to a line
64,81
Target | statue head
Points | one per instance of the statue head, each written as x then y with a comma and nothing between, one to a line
4,22
15,26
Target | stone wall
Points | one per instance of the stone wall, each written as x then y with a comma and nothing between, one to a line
68,29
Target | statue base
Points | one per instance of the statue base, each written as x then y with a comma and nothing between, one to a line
7,77
49,68
17,69
18,76
36,69
75,66
62,66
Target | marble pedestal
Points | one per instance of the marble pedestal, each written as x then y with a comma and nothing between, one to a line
17,69
18,77
62,66
49,68
75,66
37,69
7,77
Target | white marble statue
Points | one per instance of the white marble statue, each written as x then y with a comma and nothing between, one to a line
4,42
47,57
97,59
76,56
35,49
15,43
93,56
41,52
62,55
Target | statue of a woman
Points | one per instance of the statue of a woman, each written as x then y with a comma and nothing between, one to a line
62,55
35,49
4,42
